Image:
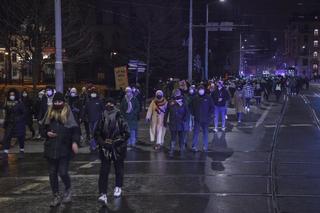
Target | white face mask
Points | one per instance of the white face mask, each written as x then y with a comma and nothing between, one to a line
49,93
191,92
73,94
93,95
24,94
12,97
201,92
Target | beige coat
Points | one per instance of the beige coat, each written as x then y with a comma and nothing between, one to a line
239,101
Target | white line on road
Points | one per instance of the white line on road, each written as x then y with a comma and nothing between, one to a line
89,165
27,187
263,116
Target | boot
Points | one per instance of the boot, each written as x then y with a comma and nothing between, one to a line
56,200
67,196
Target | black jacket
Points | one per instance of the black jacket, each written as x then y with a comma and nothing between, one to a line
112,134
178,116
93,110
60,146
15,117
202,108
223,94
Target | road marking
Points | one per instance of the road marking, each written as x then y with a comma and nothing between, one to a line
28,187
301,125
263,116
89,165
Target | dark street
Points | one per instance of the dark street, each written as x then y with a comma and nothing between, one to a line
269,162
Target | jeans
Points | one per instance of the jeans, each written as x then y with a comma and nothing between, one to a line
239,116
204,127
92,127
59,167
105,170
133,137
217,111
248,102
181,137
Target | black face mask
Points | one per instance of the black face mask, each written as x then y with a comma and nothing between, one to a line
109,108
57,107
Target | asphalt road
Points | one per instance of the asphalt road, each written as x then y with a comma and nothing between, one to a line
267,164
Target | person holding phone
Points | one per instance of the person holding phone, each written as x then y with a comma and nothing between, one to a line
61,131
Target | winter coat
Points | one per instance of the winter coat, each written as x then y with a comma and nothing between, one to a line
239,101
131,117
177,116
156,112
202,108
76,107
27,102
44,104
248,91
93,109
60,146
112,133
15,119
223,94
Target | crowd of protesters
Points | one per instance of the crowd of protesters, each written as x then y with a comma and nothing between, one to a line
111,128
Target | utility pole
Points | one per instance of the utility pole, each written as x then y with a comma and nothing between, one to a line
58,62
190,47
206,60
240,56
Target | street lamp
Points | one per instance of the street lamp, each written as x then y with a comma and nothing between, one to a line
207,38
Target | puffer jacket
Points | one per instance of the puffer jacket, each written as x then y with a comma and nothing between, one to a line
202,108
112,134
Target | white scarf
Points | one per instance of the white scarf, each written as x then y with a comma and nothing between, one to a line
129,98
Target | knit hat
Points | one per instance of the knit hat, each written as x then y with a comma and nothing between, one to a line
128,89
73,90
159,92
58,97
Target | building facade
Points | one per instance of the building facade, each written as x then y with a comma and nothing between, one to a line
302,44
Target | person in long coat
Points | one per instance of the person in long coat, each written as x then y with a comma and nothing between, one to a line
177,115
239,103
155,116
130,109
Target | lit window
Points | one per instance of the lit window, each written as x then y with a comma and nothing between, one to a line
315,66
316,32
315,54
316,43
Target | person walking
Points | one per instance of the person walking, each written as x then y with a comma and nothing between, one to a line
177,118
112,133
60,130
278,90
93,111
14,123
202,108
248,95
130,109
239,103
28,104
155,116
220,98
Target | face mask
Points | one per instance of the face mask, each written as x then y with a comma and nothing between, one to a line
58,106
40,96
159,96
73,94
201,92
109,107
12,97
24,94
93,95
134,89
49,93
191,92
178,97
